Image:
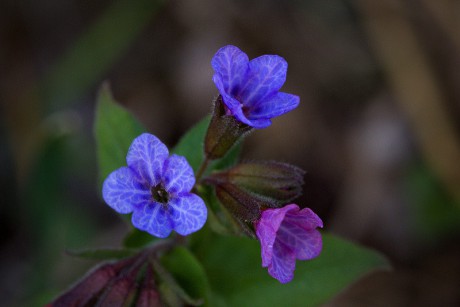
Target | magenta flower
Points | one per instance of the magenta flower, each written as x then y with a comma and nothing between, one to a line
250,89
155,187
287,234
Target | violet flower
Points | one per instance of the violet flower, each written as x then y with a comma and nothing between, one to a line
287,234
250,89
156,188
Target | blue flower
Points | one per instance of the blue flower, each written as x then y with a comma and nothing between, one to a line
250,89
156,189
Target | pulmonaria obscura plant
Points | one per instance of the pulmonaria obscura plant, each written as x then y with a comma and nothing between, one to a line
203,193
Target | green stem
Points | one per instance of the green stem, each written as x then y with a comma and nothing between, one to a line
202,169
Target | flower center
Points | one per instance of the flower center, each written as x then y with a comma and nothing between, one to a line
159,194
246,110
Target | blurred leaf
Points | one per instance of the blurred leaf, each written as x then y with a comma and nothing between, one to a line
137,238
115,129
436,214
101,253
51,215
184,275
237,278
98,48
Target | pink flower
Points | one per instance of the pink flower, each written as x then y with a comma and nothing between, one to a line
287,234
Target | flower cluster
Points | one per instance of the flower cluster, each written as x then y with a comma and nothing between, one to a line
157,188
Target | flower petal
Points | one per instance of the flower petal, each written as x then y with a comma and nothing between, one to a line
123,192
305,218
188,213
232,104
266,229
146,156
154,219
299,229
237,111
267,74
266,235
275,105
283,263
231,65
178,175
306,244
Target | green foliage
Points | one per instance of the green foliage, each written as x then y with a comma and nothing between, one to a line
98,49
230,159
53,217
189,278
233,267
114,129
435,212
137,239
191,144
102,253
191,147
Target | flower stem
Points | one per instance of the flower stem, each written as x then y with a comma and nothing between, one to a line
202,169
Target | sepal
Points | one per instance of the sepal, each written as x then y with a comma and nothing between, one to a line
223,131
240,203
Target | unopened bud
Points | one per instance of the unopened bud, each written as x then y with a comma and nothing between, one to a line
114,284
272,183
241,204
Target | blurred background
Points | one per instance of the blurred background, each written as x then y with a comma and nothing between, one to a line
377,130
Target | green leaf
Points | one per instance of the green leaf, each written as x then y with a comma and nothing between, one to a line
137,238
435,213
237,278
115,128
185,276
230,159
102,253
191,144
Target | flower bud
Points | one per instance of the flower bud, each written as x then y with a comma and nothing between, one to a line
271,183
223,131
113,284
242,206
240,203
148,293
246,189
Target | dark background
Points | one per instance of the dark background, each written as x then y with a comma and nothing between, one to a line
377,130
